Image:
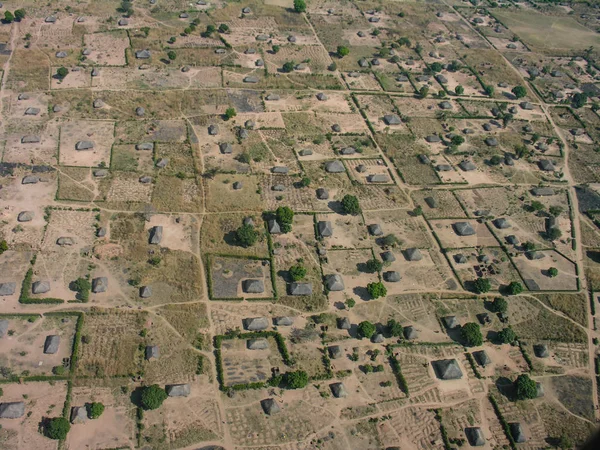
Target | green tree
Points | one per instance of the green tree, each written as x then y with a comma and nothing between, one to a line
297,272
343,51
305,182
424,92
555,210
296,380
285,218
57,428
366,329
436,67
394,328
565,443
579,100
514,288
457,140
20,14
172,55
537,205
507,336
288,67
146,31
3,246
276,49
62,72
552,272
390,240
553,234
526,388
230,113
499,305
376,290
482,285
126,8
350,303
528,246
350,204
94,410
210,29
152,397
489,90
299,6
8,17
246,235
374,265
223,28
459,90
519,91
471,333
495,160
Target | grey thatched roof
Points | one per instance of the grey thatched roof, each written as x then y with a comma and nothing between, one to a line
460,258
392,119
257,344
140,111
541,350
410,332
51,344
100,173
335,352
377,338
463,229
392,276
25,216
334,282
338,390
334,167
446,105
143,54
280,169
283,321
346,151
539,387
65,240
249,221
447,369
388,257
431,202
30,139
443,168
145,146
40,287
32,111
253,286
336,127
325,228
517,433
270,406
542,191
501,223
305,152
467,166
533,255
482,358
98,103
512,240
322,194
7,288
152,351
162,163
433,139
226,148
178,390
475,436
344,323
375,229
156,234
12,410
99,284
146,291
237,185
378,178
78,414
273,227
256,323
491,142
321,96
451,322
300,289
413,254
3,327
30,179
251,79
213,130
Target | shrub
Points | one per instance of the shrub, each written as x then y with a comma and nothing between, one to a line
288,67
343,51
285,217
94,410
299,6
350,303
519,91
20,14
57,428
514,288
471,333
553,234
8,17
58,370
296,380
394,328
62,72
552,272
305,182
366,329
223,28
230,113
153,397
350,204
374,265
171,55
507,336
526,388
376,290
482,285
459,90
246,235
3,246
297,272
390,240
499,305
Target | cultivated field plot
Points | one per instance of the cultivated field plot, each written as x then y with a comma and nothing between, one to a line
107,49
449,237
350,264
22,350
13,266
227,277
75,140
227,193
491,263
536,276
241,366
409,231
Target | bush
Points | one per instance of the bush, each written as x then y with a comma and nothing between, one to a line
62,72
153,397
482,285
288,67
343,51
285,217
394,328
552,272
171,55
507,336
3,246
390,240
94,410
230,113
374,265
20,14
350,303
297,272
8,17
246,235
553,234
514,288
305,182
223,28
299,6
366,329
526,388
376,290
519,91
350,204
296,380
57,428
499,305
459,90
471,333
59,370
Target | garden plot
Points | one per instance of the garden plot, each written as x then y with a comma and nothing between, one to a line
242,366
349,123
42,400
183,421
101,134
43,152
122,188
113,349
60,267
349,264
116,425
491,263
135,132
508,45
268,120
179,232
308,357
296,102
348,231
409,231
76,79
438,204
450,239
293,195
334,182
318,59
107,49
372,167
13,266
22,349
417,310
376,107
535,272
17,108
418,107
463,78
373,197
180,159
223,195
156,79
377,384
228,274
431,272
218,231
126,158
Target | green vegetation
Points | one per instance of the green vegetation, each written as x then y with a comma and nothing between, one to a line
246,235
366,329
57,428
152,397
297,272
519,91
343,51
296,380
94,410
374,265
552,272
394,328
62,72
8,17
482,285
525,387
230,113
350,204
3,246
285,217
471,333
377,289
499,305
507,336
514,288
299,6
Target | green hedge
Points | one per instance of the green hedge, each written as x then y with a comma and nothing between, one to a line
402,383
503,422
26,288
473,364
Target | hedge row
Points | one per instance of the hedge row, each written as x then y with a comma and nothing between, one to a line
26,288
473,364
503,422
438,417
526,356
402,383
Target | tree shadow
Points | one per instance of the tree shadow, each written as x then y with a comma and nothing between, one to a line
506,387
230,238
336,206
285,275
509,95
136,396
362,293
